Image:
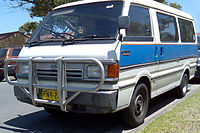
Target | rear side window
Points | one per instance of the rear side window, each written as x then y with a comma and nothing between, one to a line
15,52
140,22
168,28
187,30
3,52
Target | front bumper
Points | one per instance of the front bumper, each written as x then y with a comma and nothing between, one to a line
87,99
99,102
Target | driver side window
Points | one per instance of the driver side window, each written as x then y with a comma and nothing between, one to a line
140,22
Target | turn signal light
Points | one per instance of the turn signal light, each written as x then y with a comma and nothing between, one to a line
113,71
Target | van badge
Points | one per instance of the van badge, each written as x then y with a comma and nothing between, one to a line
126,53
80,31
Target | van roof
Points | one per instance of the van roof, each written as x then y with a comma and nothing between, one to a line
148,3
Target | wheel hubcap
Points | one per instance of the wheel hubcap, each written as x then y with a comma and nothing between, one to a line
139,103
185,86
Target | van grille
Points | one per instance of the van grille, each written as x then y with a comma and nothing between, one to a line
71,73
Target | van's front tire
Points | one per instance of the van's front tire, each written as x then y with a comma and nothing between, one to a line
135,114
183,87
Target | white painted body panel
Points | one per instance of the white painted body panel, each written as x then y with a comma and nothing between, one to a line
99,51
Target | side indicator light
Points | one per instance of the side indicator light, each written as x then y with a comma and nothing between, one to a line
113,71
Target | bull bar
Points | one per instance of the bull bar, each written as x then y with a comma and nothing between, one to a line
61,79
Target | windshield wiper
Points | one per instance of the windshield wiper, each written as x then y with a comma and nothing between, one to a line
56,34
38,43
86,38
69,41
97,37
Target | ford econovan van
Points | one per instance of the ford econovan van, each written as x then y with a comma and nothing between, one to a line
105,56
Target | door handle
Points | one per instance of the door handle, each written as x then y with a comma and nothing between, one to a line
155,54
161,51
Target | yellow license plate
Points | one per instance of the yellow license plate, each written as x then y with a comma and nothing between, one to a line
50,95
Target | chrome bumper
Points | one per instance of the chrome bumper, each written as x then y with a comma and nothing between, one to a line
61,86
100,102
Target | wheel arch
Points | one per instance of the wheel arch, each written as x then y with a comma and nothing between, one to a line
187,71
147,81
125,95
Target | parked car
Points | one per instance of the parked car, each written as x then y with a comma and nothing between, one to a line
197,74
6,54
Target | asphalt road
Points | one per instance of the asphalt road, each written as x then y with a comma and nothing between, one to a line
23,118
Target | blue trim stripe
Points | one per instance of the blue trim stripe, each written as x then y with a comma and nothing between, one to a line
147,53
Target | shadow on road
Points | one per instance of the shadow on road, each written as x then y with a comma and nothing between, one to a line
42,122
66,123
195,81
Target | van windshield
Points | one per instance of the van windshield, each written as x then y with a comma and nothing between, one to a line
82,21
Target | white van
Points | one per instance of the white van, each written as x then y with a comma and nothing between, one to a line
105,56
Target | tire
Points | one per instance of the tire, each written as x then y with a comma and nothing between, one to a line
52,111
135,114
1,78
182,89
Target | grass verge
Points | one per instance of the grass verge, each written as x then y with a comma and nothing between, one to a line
183,118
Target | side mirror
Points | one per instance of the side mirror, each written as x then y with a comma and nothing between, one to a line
123,22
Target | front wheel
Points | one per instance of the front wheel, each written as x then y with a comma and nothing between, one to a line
135,114
183,87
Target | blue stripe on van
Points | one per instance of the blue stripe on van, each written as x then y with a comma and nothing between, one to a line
141,53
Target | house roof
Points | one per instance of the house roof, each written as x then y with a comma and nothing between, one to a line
5,35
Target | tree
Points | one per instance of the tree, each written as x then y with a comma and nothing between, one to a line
175,5
29,27
36,8
39,8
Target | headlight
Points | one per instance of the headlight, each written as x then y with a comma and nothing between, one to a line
111,71
23,68
93,72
